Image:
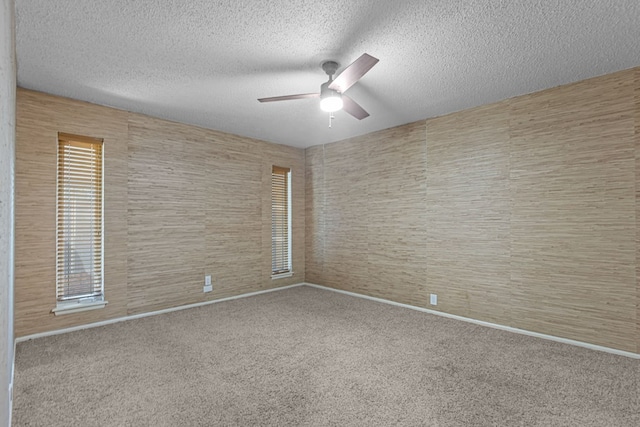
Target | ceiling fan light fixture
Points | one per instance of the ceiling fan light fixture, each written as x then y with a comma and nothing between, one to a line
330,100
331,103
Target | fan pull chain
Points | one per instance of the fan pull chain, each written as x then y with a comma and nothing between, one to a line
331,117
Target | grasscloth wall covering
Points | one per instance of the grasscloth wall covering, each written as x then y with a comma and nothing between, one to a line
522,213
7,166
180,202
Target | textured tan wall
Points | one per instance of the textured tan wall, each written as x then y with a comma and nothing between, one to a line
374,218
573,225
314,214
522,212
637,151
468,213
7,163
180,202
39,119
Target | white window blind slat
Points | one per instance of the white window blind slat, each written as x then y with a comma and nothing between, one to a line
280,220
79,218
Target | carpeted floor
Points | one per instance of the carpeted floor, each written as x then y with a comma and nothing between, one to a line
311,357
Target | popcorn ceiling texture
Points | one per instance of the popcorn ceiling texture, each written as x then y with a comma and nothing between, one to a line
206,62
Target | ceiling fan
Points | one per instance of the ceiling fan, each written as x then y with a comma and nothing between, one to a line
331,94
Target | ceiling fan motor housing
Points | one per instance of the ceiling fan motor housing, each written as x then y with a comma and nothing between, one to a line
330,67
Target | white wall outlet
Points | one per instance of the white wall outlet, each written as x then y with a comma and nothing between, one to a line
433,299
208,287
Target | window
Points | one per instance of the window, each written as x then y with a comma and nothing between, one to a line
79,284
280,222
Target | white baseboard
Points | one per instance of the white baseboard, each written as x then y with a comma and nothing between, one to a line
11,379
487,324
151,313
10,402
385,301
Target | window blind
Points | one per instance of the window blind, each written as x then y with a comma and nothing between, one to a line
79,218
280,221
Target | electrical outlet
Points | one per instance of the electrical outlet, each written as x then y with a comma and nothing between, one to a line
433,299
208,287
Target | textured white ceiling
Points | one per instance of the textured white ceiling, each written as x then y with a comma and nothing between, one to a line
205,62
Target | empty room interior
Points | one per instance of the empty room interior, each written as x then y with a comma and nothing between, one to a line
320,213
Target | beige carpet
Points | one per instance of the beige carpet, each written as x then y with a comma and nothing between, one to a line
310,357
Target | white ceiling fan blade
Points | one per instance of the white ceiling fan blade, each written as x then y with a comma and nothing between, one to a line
353,108
354,72
289,97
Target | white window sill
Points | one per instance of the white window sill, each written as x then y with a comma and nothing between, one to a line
282,275
77,306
